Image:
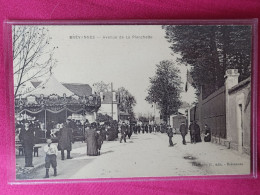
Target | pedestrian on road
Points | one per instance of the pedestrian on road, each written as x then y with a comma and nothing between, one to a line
170,135
143,128
129,131
183,130
207,136
146,128
192,132
138,128
197,132
99,142
65,140
123,130
91,139
51,151
27,138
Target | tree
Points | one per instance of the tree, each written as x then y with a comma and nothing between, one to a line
103,118
32,57
165,89
101,87
126,101
211,50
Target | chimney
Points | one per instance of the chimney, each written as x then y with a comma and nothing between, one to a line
231,78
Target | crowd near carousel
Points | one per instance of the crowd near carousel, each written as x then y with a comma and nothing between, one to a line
56,113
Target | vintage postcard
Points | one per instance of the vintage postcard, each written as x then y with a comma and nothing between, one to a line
132,101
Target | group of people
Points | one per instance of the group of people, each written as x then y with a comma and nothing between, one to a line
95,135
195,135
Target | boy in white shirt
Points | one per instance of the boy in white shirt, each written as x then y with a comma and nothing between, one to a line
51,157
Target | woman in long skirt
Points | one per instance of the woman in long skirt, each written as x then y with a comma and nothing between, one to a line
91,138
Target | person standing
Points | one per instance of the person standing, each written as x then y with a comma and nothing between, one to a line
170,135
129,131
65,140
183,130
91,139
146,128
123,130
51,157
138,128
143,128
27,138
192,133
207,136
197,132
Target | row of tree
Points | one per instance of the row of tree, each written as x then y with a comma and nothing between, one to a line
210,50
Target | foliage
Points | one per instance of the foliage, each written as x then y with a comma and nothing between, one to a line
103,118
31,57
165,89
126,101
211,50
101,87
143,119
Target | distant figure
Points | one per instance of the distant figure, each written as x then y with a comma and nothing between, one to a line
27,138
65,140
207,135
170,135
146,128
129,131
123,130
92,138
197,132
150,128
183,130
138,128
99,142
143,129
51,157
192,133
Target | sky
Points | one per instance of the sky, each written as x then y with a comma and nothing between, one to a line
125,55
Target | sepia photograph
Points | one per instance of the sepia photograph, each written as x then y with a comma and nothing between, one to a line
132,101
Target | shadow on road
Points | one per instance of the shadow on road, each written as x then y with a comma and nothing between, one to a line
106,152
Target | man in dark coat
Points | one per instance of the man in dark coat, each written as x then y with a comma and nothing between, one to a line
65,140
146,128
192,133
143,128
27,138
138,128
170,135
197,132
129,131
183,130
123,131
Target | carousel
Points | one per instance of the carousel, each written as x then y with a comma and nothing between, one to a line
51,104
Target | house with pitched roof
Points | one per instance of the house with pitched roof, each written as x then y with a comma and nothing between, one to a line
109,104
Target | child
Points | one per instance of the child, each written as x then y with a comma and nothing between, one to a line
51,157
99,142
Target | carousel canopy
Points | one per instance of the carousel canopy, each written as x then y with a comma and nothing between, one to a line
51,86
